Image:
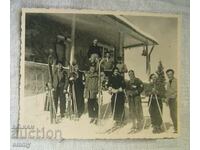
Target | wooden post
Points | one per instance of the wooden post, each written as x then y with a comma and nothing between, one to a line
36,83
67,53
121,45
43,83
73,39
149,71
147,60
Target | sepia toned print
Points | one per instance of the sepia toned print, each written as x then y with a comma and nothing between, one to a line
99,75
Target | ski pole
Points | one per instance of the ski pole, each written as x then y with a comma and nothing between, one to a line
68,95
106,111
75,103
149,105
123,108
99,105
122,116
151,97
53,107
99,90
114,105
160,112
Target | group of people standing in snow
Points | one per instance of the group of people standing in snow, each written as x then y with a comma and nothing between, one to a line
104,74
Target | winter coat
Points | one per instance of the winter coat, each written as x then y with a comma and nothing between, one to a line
158,91
94,50
91,85
116,82
134,87
122,68
60,78
171,92
108,64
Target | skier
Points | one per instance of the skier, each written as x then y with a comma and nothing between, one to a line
133,90
155,104
90,93
76,82
60,85
171,95
116,86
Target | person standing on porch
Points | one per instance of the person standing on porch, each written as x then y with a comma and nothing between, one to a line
133,90
116,86
94,51
171,95
107,65
90,93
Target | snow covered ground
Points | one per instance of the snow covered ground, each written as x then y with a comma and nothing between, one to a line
32,114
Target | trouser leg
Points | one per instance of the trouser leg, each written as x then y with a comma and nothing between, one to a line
55,97
92,108
119,108
62,103
173,112
159,120
138,111
95,108
132,110
154,115
112,102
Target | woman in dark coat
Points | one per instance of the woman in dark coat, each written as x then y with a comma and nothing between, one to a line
155,94
116,86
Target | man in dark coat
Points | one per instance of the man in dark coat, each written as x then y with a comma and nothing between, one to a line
133,90
60,84
116,86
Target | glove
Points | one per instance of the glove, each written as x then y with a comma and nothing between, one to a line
120,89
154,91
115,90
71,78
136,92
110,90
134,87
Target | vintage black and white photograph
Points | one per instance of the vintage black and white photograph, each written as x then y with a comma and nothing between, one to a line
99,75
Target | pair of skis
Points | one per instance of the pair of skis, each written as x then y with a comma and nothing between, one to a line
100,96
116,127
75,108
53,118
72,102
73,115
